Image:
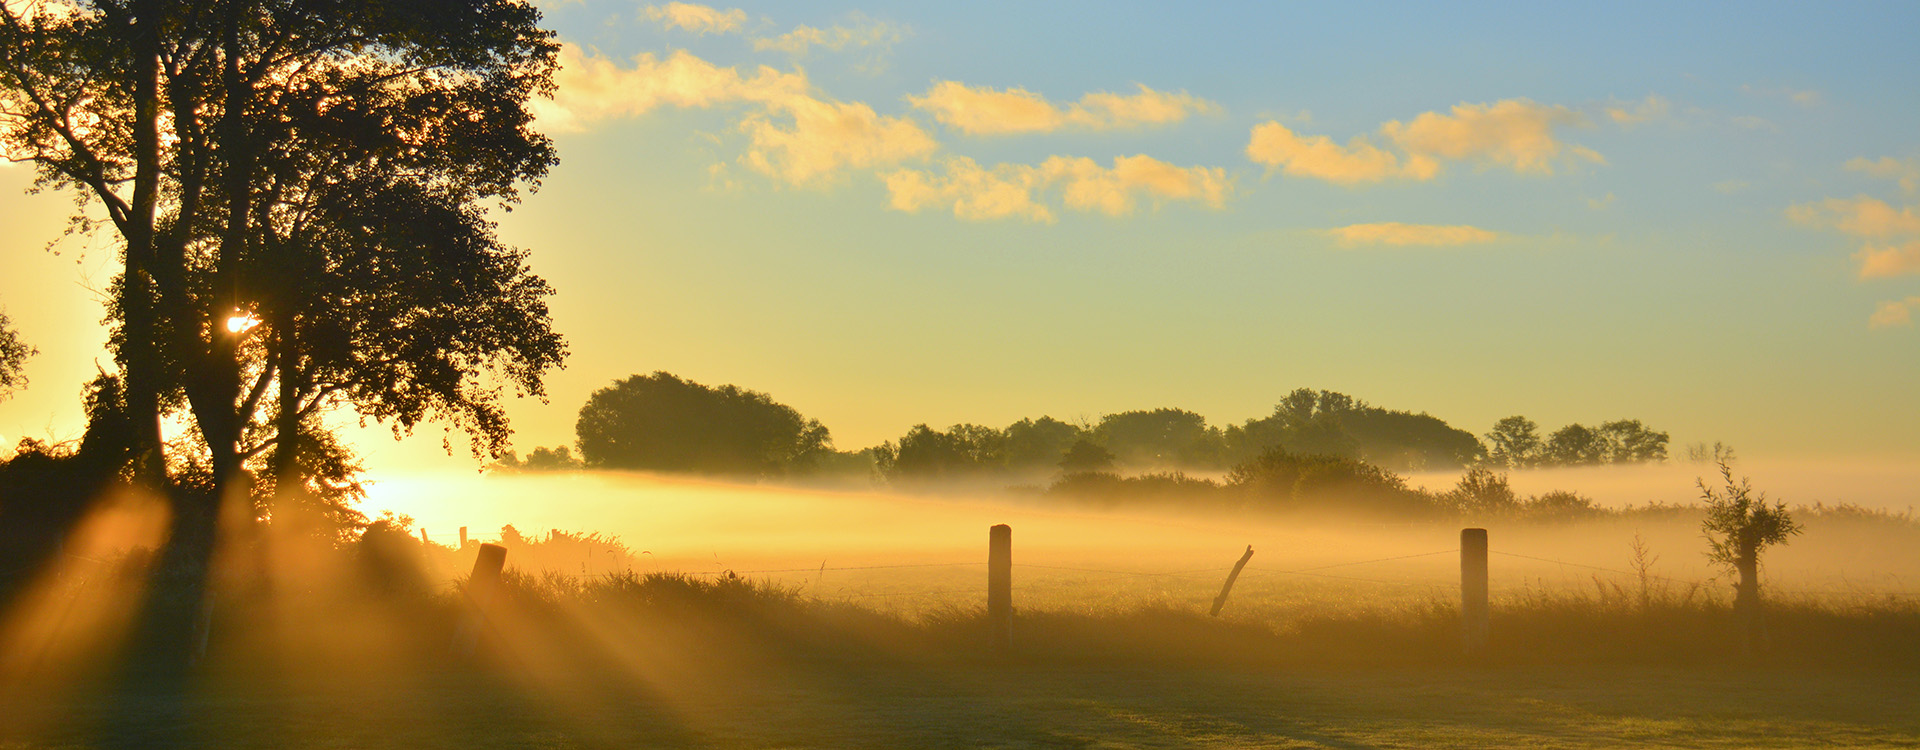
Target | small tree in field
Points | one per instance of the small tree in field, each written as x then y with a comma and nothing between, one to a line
1740,525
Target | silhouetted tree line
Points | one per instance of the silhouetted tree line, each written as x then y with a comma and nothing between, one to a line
661,422
1515,442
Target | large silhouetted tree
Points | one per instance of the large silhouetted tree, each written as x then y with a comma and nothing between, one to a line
1740,526
660,422
312,172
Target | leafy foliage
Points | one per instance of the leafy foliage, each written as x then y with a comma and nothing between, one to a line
660,422
1741,524
13,357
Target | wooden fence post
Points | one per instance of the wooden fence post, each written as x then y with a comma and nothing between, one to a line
463,537
1221,600
1473,591
482,586
423,536
1000,587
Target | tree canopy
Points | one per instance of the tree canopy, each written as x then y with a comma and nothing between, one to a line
661,422
13,358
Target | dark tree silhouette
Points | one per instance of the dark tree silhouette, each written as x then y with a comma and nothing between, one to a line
228,143
1038,443
1159,438
1326,423
1630,442
1574,445
1740,526
1514,442
964,450
660,422
1086,456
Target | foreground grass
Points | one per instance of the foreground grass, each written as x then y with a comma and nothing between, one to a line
962,705
675,661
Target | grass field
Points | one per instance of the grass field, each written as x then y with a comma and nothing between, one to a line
1340,635
1019,706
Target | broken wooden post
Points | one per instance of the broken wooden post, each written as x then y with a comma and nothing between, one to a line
1221,600
1000,587
463,537
423,536
1473,591
482,586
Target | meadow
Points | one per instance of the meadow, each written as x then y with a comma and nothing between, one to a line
808,630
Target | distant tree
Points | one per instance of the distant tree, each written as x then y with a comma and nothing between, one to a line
1290,481
1740,526
1483,492
1514,442
1327,423
1701,453
1574,445
1038,444
964,450
660,422
1409,442
1160,437
1630,442
13,357
1086,456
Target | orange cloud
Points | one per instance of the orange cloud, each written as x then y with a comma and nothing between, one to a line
1891,260
825,137
1277,147
591,88
699,19
1396,233
1894,313
1860,216
865,32
1014,190
793,135
1906,171
1514,133
984,110
1006,191
1652,108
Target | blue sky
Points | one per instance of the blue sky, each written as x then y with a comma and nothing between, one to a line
1699,216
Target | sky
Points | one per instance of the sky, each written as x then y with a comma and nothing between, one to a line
1703,216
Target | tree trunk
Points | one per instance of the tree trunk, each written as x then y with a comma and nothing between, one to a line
1746,605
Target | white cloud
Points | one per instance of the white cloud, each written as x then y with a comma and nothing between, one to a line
1017,190
984,110
1894,313
699,19
1396,233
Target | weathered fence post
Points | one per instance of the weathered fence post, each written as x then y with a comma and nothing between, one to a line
423,536
482,586
463,537
1221,600
1000,587
1473,590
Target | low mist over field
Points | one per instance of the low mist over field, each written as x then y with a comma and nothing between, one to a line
591,373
